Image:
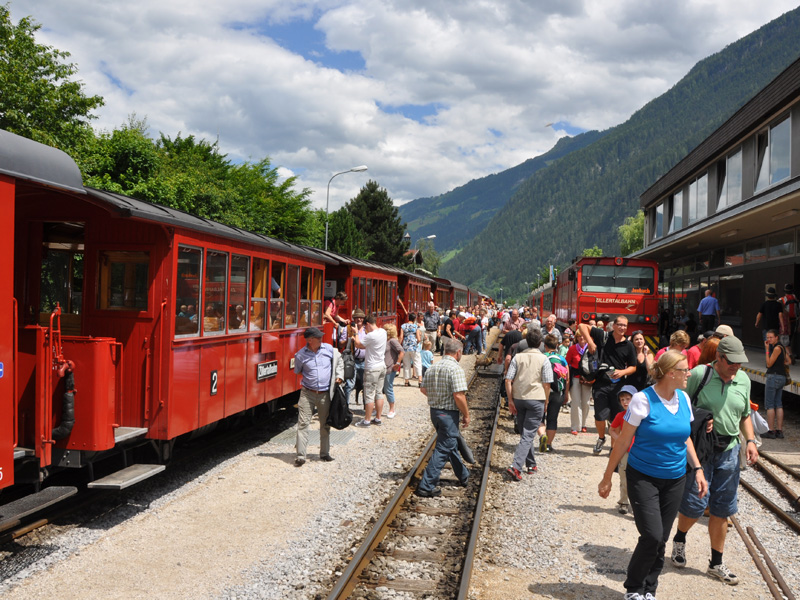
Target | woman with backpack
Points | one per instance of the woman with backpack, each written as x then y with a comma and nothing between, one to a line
559,389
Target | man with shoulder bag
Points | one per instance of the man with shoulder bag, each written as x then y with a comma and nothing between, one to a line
321,368
725,392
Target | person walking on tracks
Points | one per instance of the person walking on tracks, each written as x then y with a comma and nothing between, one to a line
724,390
445,385
321,367
527,382
660,418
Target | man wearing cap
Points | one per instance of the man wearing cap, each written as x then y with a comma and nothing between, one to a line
709,311
771,313
727,396
321,368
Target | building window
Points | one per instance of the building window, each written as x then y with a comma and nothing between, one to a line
658,221
756,251
698,199
734,256
676,212
772,157
730,189
781,244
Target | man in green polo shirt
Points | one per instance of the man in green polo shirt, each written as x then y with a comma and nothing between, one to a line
727,396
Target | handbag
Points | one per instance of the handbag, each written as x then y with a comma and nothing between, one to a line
349,361
339,416
759,423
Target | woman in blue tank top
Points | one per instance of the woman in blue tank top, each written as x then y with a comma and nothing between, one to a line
660,419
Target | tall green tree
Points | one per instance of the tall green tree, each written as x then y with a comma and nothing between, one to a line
592,252
377,219
39,99
344,237
631,234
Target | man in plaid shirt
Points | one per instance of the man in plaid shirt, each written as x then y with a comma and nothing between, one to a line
445,385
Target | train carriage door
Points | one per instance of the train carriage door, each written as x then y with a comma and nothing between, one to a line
60,276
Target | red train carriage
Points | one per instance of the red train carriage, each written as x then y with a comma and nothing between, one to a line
442,292
415,291
593,287
170,322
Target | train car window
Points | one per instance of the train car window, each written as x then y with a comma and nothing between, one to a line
292,293
393,297
316,299
362,294
214,299
187,294
368,308
304,318
237,299
383,298
277,290
259,295
124,280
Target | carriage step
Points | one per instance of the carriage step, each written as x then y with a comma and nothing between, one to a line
123,434
126,477
23,452
13,511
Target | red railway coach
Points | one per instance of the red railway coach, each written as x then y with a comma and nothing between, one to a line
594,287
169,322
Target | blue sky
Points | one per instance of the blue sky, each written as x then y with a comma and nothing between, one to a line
428,93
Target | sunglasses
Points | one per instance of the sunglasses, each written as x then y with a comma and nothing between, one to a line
725,358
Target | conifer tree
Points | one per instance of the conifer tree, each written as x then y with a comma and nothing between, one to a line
379,223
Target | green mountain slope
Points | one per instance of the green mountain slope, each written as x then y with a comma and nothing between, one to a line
582,199
478,201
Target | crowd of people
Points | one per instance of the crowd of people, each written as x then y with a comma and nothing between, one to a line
652,406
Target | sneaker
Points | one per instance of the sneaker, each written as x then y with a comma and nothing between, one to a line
543,443
770,435
363,423
573,432
429,494
633,596
721,572
376,422
299,462
584,430
598,445
649,596
679,554
549,447
623,508
779,434
390,415
514,473
530,470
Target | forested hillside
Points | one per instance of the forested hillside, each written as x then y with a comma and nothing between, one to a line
475,203
580,200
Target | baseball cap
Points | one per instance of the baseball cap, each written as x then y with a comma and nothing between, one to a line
723,330
628,389
733,349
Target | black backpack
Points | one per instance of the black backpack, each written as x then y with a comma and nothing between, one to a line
591,361
349,361
339,416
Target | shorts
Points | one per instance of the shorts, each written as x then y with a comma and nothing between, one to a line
606,403
773,391
722,474
373,384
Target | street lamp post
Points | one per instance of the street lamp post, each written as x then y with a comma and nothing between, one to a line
328,196
428,237
501,295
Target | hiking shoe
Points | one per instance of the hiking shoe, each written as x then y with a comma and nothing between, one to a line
543,443
363,423
623,508
584,430
722,573
679,554
530,470
770,435
598,445
376,421
429,494
514,473
779,434
633,596
299,462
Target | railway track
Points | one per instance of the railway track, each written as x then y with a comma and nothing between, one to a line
763,479
425,546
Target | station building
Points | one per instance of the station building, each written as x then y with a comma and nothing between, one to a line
728,215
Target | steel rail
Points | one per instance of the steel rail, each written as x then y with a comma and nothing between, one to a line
775,461
776,593
466,572
776,481
776,574
779,512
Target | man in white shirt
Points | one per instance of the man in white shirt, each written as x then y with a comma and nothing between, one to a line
374,343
